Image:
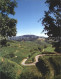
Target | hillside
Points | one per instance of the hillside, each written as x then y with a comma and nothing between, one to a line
25,38
12,56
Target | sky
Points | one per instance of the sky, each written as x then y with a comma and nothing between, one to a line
28,13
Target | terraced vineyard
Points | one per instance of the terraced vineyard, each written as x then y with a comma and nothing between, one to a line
47,67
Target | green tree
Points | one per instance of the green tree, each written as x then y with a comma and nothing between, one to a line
52,21
7,24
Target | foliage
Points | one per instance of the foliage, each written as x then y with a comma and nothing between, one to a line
55,61
3,42
31,72
7,24
52,20
43,68
14,54
9,69
56,64
57,46
49,49
28,75
16,50
52,64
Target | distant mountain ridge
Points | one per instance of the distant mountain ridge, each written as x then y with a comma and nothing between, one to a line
25,38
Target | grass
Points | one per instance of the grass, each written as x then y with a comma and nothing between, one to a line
32,69
32,58
54,65
49,49
21,49
17,51
9,69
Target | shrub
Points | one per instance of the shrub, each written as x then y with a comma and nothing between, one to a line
4,42
45,46
58,77
9,69
39,48
29,75
56,65
42,67
11,55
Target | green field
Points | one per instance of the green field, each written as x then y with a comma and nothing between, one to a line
12,55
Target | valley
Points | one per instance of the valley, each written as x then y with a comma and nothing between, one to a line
30,60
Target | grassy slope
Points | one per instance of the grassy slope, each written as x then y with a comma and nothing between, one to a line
9,69
49,49
54,65
17,51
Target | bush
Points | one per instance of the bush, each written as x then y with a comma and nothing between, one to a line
29,75
11,55
39,48
42,67
57,46
4,76
45,46
9,69
8,44
45,52
58,77
56,65
4,42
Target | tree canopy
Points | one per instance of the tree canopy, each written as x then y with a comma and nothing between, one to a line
52,20
7,24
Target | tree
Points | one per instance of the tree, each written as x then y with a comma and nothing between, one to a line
7,24
52,21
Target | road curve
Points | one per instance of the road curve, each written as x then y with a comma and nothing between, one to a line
31,64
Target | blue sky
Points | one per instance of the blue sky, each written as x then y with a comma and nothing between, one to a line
27,14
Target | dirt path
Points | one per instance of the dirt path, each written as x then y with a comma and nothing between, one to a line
31,64
36,60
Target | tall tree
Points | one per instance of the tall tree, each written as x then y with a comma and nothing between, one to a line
7,24
52,21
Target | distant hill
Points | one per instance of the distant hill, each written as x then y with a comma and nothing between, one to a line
25,38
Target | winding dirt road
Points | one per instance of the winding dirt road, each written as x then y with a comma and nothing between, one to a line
31,64
36,60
